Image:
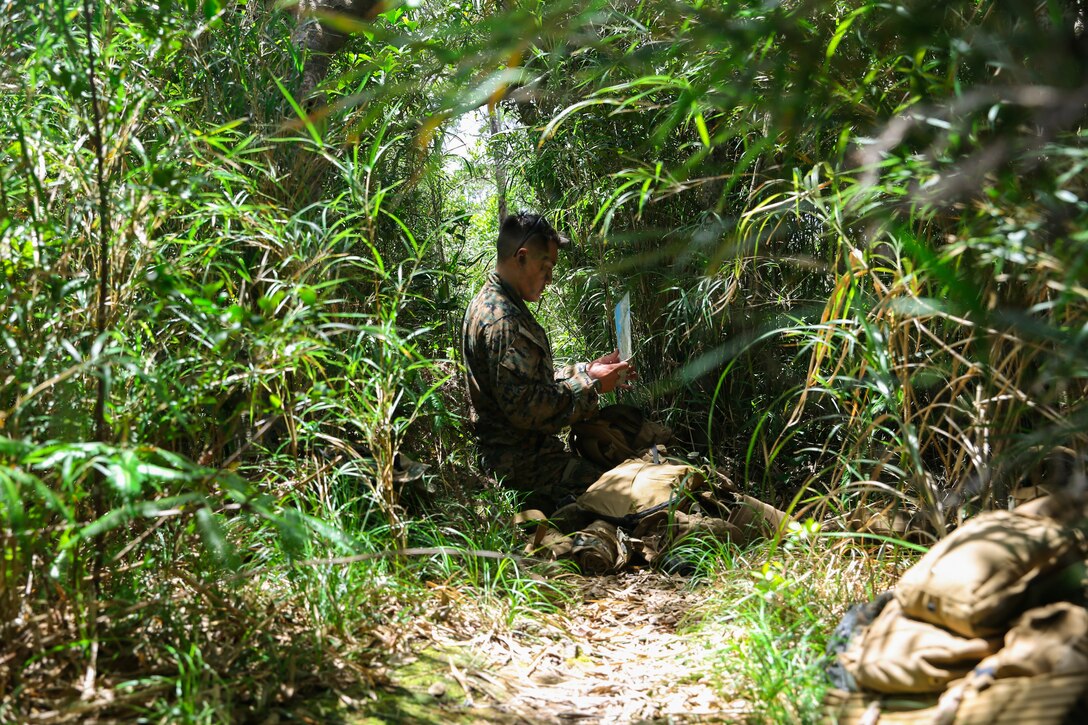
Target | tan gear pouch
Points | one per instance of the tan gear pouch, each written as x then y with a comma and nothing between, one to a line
1045,640
659,533
755,519
600,548
637,487
897,654
976,579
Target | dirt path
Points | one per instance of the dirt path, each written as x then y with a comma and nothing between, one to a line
615,658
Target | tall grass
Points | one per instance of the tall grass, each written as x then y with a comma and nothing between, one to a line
854,249
839,285
254,374
771,609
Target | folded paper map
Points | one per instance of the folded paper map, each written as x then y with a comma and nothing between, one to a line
623,327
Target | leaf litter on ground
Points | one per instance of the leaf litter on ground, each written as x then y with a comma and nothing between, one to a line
628,650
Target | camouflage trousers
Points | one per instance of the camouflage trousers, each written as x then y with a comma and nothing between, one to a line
547,474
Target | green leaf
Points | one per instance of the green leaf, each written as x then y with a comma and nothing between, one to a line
556,122
844,27
307,294
294,536
302,115
108,522
215,538
700,125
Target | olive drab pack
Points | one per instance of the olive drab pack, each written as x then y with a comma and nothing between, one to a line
618,432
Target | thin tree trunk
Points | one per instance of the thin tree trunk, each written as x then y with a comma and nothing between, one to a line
494,117
101,429
437,202
104,223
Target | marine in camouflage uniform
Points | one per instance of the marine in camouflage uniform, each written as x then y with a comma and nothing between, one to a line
519,400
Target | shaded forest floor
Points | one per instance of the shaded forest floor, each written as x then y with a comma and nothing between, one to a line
631,648
460,639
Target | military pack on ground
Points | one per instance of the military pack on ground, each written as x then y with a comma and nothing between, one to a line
989,626
644,505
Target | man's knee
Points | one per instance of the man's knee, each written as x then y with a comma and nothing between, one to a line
549,479
559,480
580,474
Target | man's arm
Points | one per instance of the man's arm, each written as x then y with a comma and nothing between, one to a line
608,369
569,371
529,399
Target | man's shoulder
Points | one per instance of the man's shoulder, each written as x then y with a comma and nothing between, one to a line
491,306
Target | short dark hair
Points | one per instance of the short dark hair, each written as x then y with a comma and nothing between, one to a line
526,230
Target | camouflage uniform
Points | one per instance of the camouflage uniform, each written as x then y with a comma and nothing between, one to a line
519,401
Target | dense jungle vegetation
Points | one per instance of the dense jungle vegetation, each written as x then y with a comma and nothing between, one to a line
854,234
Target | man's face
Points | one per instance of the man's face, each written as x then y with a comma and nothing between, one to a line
536,270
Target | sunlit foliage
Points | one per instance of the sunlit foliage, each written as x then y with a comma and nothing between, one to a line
853,233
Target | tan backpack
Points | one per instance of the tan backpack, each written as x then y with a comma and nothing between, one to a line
637,488
1039,676
977,579
1052,639
897,654
1040,700
1046,645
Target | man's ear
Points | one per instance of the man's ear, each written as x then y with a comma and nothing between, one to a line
521,254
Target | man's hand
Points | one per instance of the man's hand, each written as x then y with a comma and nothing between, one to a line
612,372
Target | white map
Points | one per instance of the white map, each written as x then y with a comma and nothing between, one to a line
623,327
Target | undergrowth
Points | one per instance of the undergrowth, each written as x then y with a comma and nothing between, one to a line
770,611
854,239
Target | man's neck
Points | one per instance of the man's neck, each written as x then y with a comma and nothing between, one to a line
511,277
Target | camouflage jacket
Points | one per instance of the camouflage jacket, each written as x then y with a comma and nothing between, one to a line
518,398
